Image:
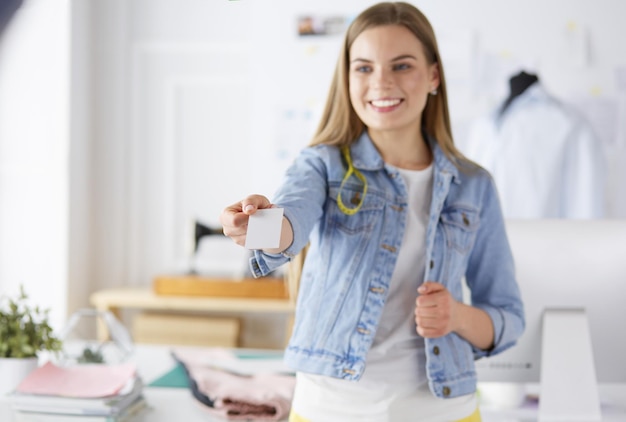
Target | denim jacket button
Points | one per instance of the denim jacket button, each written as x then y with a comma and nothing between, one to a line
388,247
446,391
436,350
432,264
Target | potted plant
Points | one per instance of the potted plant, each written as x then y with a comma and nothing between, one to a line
24,332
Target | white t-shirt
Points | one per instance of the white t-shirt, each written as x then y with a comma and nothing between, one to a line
394,386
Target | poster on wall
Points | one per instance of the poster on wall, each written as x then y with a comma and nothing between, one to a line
309,25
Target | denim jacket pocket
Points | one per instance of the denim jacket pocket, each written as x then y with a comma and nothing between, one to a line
361,222
460,224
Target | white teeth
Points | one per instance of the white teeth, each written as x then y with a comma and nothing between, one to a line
385,103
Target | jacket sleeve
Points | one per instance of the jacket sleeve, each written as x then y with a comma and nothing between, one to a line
491,278
302,194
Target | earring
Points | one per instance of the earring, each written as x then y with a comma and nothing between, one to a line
434,91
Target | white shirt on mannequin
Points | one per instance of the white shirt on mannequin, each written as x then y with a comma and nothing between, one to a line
544,157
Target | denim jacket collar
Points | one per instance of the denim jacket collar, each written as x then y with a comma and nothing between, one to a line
365,156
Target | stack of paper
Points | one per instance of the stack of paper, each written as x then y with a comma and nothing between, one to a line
91,393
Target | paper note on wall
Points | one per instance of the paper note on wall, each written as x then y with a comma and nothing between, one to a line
575,51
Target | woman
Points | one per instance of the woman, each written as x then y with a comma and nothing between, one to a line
395,218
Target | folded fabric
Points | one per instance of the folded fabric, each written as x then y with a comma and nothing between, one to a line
263,397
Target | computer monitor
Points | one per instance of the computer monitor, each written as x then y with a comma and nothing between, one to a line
572,275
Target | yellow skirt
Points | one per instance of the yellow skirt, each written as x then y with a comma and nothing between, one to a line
474,417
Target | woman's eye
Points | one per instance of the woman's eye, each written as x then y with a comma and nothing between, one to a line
401,66
363,69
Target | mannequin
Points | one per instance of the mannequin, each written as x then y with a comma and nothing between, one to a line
517,85
544,157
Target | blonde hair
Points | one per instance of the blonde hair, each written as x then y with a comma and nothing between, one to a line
340,125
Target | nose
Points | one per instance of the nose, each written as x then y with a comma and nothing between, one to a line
382,78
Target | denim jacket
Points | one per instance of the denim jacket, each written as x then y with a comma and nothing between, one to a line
351,258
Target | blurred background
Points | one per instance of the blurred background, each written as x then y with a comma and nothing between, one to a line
122,121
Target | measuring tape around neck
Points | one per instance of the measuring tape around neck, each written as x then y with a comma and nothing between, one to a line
359,197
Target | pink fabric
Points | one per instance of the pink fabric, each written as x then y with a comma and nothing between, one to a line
263,397
83,381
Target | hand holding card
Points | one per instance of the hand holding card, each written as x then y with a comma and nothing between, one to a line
264,229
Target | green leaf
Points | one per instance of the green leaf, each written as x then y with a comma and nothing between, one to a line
24,330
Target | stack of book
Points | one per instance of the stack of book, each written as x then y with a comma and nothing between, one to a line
79,393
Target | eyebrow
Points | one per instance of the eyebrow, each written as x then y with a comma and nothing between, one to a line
395,59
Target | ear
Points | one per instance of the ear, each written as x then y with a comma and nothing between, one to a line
434,77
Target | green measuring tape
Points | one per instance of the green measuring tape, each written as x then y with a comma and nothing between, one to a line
358,198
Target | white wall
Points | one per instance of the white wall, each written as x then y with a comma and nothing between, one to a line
171,94
34,146
80,157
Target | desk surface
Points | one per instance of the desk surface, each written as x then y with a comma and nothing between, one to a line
175,404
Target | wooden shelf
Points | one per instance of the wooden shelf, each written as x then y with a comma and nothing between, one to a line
145,298
195,285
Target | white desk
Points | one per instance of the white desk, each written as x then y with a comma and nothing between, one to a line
177,404
613,397
165,404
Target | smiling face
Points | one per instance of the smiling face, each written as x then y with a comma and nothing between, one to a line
390,79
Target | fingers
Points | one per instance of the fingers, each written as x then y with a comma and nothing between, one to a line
431,332
428,287
432,323
433,310
234,218
432,326
431,294
253,203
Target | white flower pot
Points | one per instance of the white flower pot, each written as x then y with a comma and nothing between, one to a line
13,371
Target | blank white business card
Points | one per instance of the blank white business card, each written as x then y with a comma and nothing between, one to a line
264,227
